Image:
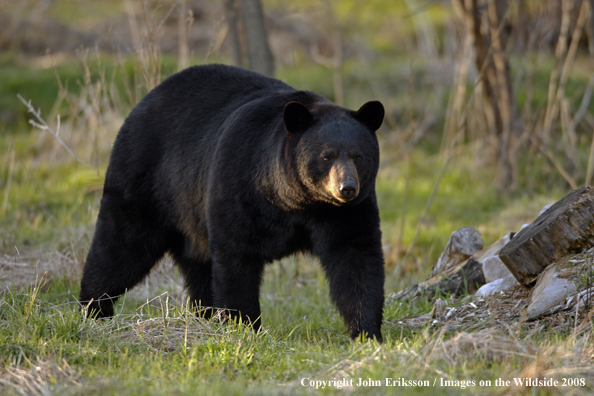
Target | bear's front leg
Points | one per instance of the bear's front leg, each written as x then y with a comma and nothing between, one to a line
356,280
236,287
353,260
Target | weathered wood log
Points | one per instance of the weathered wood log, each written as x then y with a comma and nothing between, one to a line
566,227
463,243
466,276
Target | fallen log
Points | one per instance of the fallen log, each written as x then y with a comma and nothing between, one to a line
466,276
566,227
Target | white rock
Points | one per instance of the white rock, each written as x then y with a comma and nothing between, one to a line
497,286
493,269
550,291
544,209
492,250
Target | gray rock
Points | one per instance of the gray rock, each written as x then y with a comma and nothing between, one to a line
462,244
550,291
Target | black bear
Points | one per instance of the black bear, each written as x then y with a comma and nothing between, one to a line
228,170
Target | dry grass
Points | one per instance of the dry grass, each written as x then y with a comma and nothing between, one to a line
21,271
560,361
488,344
38,379
522,358
18,271
166,334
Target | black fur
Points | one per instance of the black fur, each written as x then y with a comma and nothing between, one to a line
205,168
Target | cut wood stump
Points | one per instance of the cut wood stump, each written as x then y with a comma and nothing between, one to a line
566,227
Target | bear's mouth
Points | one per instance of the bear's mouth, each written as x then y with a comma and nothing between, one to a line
340,198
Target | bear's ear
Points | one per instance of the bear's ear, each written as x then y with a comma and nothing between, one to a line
371,114
296,117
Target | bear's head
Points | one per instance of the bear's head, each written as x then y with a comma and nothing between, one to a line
334,151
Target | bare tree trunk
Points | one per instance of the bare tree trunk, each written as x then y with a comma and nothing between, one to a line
233,35
506,100
260,57
424,30
494,74
338,57
183,43
560,53
455,118
590,27
335,62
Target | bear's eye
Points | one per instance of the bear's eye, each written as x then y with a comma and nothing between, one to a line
326,159
358,158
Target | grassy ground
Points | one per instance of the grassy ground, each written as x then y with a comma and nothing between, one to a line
160,348
49,204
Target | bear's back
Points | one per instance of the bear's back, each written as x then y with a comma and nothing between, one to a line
218,84
176,127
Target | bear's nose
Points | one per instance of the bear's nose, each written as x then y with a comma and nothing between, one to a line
348,189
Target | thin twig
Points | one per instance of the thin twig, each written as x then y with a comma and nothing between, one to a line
560,52
44,126
11,159
557,165
583,109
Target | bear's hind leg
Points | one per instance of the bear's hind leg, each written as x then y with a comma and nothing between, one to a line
123,251
236,284
196,267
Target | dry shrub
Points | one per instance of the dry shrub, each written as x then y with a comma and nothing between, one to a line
38,379
86,122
